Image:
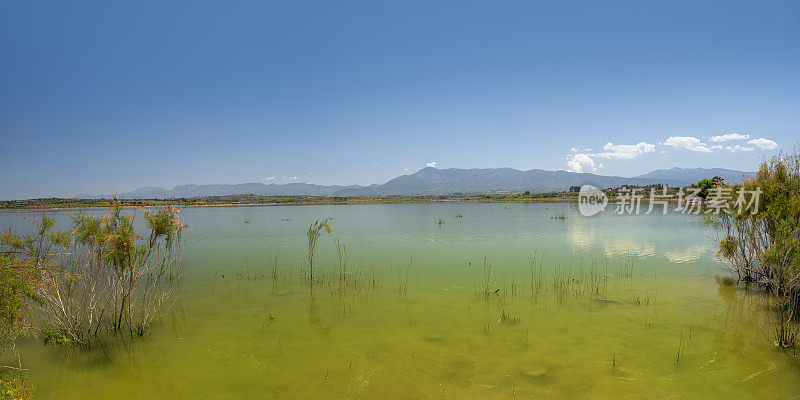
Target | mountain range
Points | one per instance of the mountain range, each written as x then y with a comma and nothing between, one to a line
691,175
433,181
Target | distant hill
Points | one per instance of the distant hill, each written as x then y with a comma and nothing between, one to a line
691,175
188,191
430,180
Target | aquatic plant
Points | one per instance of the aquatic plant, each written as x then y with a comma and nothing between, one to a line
488,263
785,330
341,278
314,231
626,266
559,217
341,261
680,349
762,245
536,275
403,276
23,261
275,268
55,336
506,319
102,275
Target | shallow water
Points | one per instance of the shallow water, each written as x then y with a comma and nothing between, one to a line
616,306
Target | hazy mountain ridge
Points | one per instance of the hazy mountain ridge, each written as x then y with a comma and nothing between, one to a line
432,181
188,191
696,174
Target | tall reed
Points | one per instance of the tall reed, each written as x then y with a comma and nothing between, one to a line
314,231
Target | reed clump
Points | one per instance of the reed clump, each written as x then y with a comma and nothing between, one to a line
314,231
559,217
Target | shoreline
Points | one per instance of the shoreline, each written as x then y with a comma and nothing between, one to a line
78,204
273,201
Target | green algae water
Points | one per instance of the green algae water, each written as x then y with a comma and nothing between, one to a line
444,300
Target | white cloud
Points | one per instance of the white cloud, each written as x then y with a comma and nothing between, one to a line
431,164
734,149
624,151
688,143
584,161
763,143
728,137
581,163
375,164
717,147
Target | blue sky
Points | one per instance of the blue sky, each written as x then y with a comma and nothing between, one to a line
103,96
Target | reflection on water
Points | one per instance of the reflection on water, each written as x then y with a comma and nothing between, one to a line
689,254
581,234
502,302
628,247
